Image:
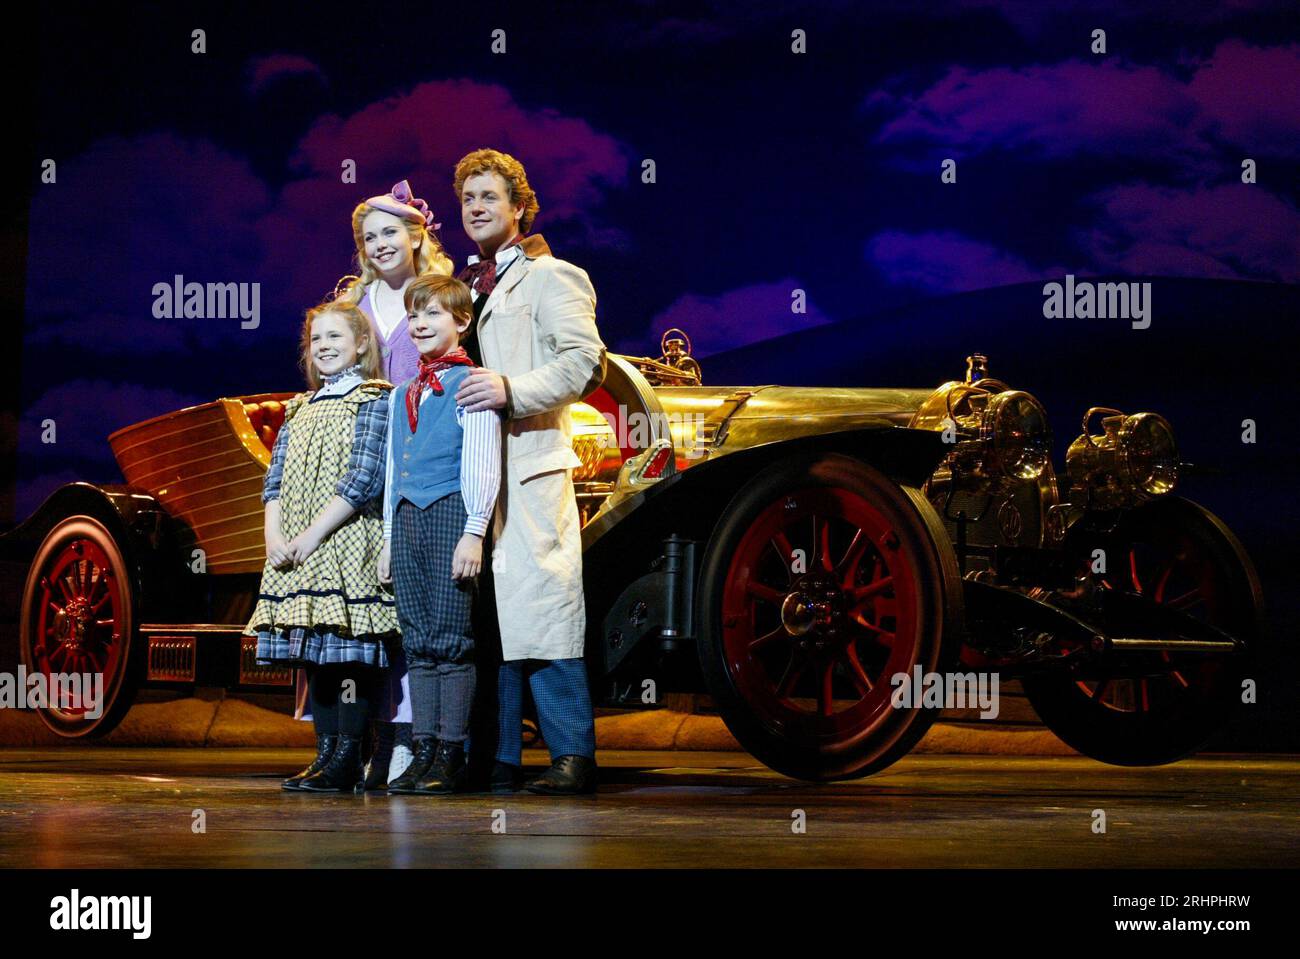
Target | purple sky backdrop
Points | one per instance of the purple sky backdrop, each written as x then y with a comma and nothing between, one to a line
775,171
265,71
948,262
735,318
1191,124
578,165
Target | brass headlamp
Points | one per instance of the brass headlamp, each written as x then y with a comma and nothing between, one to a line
1015,434
998,433
1134,460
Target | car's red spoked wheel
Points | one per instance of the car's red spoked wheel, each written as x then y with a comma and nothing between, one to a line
77,622
1180,574
817,594
822,582
1156,707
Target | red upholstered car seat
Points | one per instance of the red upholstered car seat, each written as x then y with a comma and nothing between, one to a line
266,418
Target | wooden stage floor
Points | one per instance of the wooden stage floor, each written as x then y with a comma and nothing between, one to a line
130,807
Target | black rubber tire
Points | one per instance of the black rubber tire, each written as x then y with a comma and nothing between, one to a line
1179,722
938,610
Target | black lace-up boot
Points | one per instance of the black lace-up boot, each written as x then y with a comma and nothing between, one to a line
342,773
324,746
425,752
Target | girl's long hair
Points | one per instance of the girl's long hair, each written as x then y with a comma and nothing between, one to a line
358,323
429,257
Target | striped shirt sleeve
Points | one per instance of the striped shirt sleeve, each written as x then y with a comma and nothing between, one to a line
271,486
389,505
480,467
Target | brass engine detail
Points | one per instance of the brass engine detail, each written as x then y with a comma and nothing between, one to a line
1133,460
997,481
676,353
675,366
1011,524
977,368
977,371
996,432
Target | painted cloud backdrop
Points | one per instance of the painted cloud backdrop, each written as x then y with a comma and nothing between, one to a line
774,172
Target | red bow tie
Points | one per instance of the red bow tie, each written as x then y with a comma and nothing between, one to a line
482,276
427,375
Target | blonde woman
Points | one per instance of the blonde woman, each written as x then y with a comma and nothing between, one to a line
395,244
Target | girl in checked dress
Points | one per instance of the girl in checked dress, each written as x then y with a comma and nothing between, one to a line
320,605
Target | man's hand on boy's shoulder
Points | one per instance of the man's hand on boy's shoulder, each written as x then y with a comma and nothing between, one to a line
482,390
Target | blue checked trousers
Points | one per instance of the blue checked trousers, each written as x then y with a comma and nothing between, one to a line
563,707
433,611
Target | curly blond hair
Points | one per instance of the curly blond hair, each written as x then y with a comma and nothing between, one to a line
510,170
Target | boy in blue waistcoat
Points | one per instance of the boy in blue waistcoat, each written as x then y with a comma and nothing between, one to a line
443,473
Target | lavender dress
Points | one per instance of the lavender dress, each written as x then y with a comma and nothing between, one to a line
401,358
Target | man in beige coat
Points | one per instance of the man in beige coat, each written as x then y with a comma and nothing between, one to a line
535,334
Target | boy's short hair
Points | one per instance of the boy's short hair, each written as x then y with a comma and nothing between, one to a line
450,293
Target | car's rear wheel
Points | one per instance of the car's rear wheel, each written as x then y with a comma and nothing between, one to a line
1152,708
78,620
824,580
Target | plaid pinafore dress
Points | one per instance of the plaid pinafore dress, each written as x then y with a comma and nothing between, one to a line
331,609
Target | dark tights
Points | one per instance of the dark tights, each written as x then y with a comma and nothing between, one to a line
330,709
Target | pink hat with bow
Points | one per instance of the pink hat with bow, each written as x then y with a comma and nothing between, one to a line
399,202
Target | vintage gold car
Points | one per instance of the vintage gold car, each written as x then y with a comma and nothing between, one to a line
793,552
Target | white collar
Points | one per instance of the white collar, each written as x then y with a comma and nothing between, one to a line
344,381
504,255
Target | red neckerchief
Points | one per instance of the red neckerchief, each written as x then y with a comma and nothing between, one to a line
427,375
482,276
